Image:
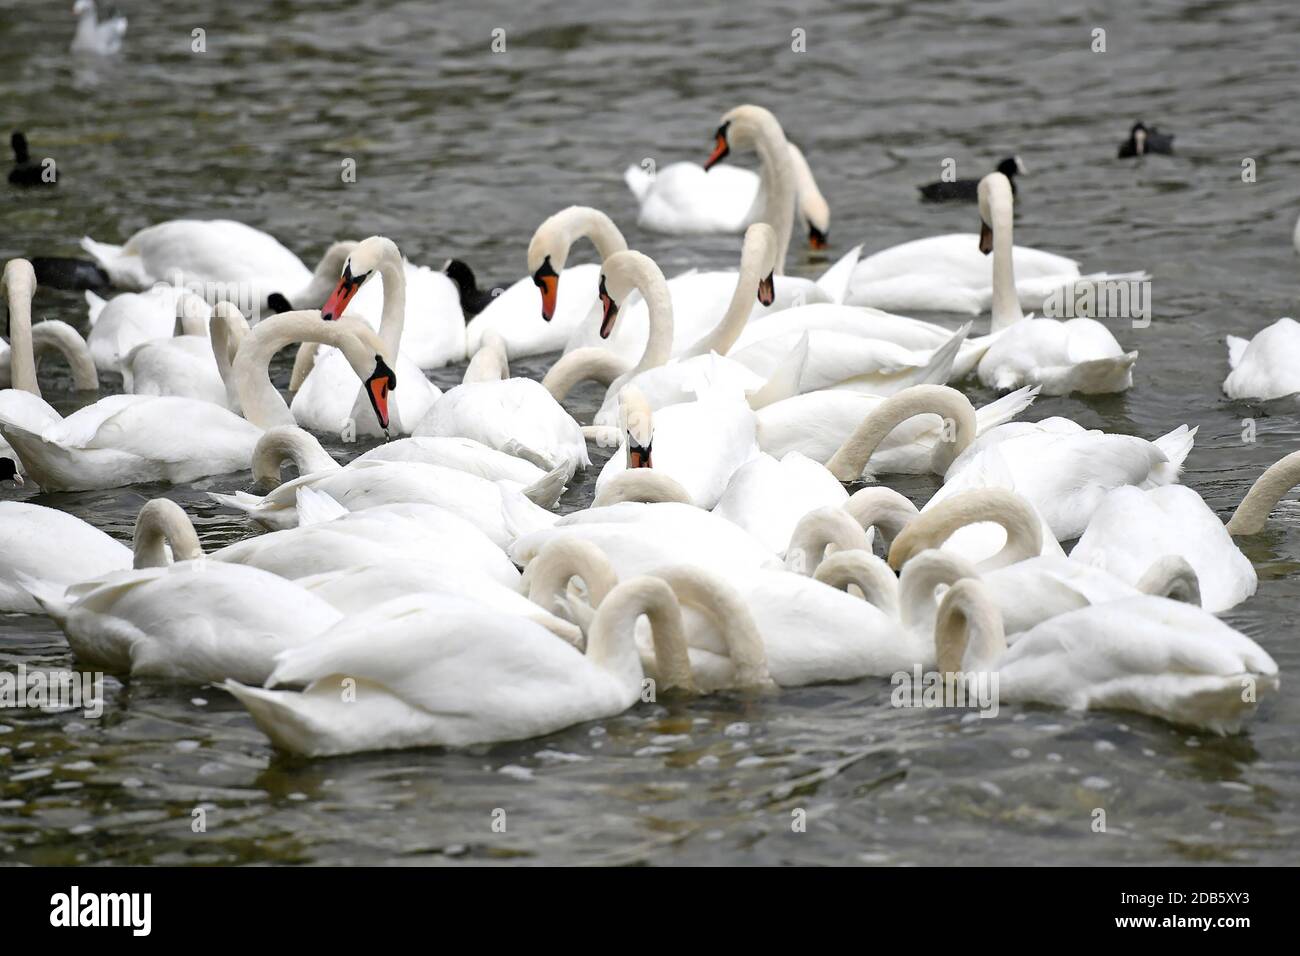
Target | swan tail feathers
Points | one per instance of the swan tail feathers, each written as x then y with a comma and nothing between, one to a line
784,380
1236,349
105,253
518,449
317,507
1004,409
546,490
94,307
1175,446
1101,376
295,722
938,369
240,501
835,280
522,516
52,598
638,180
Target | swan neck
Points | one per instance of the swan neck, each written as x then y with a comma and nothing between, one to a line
930,529
968,631
659,307
776,182
162,522
959,428
22,354
818,530
55,336
562,560
641,484
881,508
1006,300
393,318
611,643
723,336
867,572
1268,489
712,596
590,363
288,443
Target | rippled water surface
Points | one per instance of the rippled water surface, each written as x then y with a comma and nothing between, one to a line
462,151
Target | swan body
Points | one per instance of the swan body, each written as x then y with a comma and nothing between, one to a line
182,367
131,319
235,620
767,496
817,424
52,547
515,415
440,671
698,444
1146,654
1266,366
202,253
1132,527
685,199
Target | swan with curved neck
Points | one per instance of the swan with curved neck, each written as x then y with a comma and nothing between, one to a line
620,274
932,528
881,508
753,127
27,341
820,531
443,672
491,363
1279,478
163,524
1177,662
848,463
288,444
548,250
365,352
756,278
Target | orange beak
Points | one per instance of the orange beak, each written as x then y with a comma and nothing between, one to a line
383,381
817,240
342,295
638,456
767,289
611,311
548,283
720,149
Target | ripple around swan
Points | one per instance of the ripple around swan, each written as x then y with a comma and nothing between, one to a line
463,151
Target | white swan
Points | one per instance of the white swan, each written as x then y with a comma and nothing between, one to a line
22,403
190,366
567,295
236,618
226,259
699,444
898,435
1028,586
686,199
124,439
1133,527
514,415
328,399
292,445
1267,366
1078,355
767,496
130,319
1151,655
102,37
1064,470
47,545
439,671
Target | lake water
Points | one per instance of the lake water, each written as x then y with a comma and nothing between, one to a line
461,151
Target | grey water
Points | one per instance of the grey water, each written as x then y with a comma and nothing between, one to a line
461,151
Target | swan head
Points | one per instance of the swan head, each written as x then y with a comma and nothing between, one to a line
9,472
740,129
994,197
619,275
548,250
19,278
813,208
369,256
83,6
760,248
1011,167
638,424
381,381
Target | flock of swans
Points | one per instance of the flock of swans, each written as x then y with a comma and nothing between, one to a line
427,592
